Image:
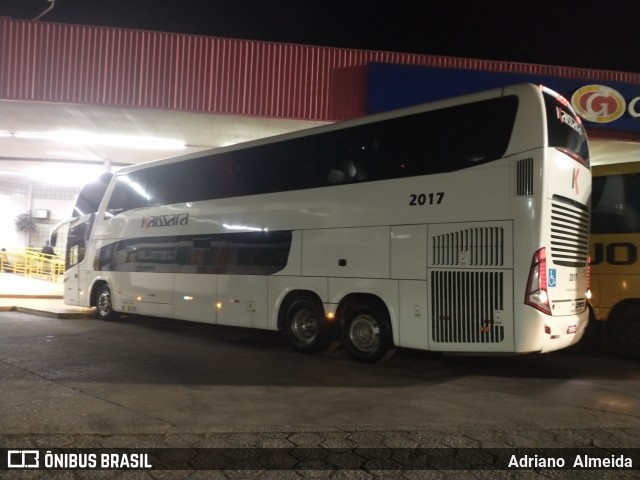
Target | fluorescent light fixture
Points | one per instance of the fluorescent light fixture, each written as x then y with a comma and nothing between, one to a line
122,141
145,143
12,173
31,136
71,137
65,174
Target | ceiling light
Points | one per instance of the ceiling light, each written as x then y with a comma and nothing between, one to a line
112,140
65,174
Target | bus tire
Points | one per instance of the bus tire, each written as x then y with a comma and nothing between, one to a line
624,331
104,304
366,332
305,326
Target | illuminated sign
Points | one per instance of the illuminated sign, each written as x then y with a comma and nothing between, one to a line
613,106
598,103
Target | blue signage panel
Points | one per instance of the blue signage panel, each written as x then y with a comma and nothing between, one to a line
394,86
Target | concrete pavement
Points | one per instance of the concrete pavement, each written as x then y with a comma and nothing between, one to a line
40,297
146,383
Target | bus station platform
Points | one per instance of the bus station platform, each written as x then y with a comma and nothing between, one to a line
38,297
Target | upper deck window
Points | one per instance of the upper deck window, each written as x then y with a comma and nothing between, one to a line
424,143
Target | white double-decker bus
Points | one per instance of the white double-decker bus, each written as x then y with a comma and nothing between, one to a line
460,226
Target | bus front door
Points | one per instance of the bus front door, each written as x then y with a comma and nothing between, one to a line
71,286
74,233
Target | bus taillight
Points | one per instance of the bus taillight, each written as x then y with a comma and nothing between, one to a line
588,278
536,295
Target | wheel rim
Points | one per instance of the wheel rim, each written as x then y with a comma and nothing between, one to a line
104,303
304,326
364,333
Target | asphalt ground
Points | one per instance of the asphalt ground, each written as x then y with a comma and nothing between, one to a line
238,403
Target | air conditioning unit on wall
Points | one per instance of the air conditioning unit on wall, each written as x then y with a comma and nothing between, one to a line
41,214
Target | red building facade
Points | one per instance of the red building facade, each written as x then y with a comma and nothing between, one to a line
48,62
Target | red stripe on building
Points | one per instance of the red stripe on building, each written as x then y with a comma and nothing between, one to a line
52,62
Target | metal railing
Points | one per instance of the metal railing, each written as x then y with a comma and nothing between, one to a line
31,263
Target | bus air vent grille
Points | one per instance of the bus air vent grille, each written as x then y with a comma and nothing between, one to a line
471,247
569,232
465,306
524,181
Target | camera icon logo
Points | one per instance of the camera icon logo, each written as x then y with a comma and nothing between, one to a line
23,459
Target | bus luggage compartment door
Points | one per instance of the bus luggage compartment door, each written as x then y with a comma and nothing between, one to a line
242,300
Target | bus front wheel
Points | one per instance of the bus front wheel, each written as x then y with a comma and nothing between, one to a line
365,332
104,304
305,325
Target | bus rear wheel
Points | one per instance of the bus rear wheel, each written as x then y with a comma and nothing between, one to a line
305,325
104,304
366,332
625,331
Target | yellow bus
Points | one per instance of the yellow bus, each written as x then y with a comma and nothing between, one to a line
615,261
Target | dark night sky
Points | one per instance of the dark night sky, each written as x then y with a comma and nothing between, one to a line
588,33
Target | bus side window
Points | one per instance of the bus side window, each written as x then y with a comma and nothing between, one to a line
345,172
127,194
474,144
347,156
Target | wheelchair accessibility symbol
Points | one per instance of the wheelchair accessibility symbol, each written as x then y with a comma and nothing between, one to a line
552,277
